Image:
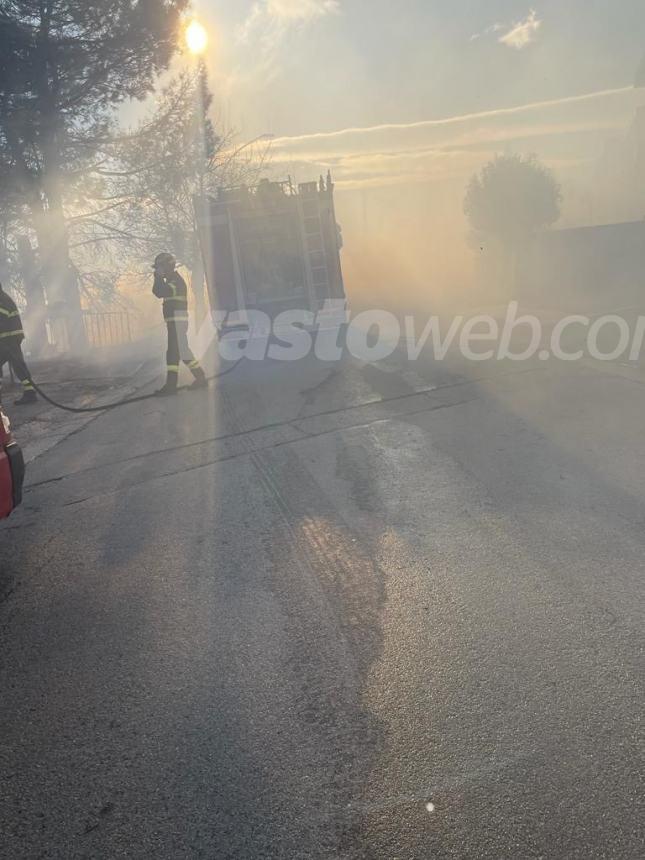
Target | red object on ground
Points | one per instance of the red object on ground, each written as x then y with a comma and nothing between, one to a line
12,469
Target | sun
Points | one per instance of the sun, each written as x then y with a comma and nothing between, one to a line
196,37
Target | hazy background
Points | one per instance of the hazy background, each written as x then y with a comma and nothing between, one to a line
403,102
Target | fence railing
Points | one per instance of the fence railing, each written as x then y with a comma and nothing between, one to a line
108,328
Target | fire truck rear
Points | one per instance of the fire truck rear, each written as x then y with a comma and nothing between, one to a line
273,247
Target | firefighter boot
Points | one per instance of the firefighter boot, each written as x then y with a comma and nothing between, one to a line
170,387
167,390
200,378
28,396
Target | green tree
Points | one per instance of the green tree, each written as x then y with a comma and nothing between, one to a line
65,65
510,200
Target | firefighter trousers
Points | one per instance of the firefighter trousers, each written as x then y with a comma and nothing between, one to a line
178,351
11,353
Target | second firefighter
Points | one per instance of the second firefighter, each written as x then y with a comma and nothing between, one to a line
171,287
11,338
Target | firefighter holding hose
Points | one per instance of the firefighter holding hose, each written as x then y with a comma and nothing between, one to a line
171,287
11,338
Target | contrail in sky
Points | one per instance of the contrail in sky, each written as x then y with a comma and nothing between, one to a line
434,123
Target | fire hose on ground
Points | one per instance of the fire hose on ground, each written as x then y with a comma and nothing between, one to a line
126,401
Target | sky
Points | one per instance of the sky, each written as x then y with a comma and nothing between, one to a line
425,87
403,101
302,66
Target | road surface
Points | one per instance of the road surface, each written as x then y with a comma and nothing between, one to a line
353,611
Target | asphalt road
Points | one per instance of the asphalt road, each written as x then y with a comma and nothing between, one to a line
333,612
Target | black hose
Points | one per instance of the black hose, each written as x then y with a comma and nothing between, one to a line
128,400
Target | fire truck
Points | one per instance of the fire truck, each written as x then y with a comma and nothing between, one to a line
272,247
12,469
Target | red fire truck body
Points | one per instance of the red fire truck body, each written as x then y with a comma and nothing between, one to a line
12,469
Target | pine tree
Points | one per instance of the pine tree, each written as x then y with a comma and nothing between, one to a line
65,65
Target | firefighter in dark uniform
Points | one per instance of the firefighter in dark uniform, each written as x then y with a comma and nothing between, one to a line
171,287
11,338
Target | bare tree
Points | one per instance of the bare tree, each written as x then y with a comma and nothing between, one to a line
159,174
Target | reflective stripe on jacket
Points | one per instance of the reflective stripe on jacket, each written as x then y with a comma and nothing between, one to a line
174,292
10,322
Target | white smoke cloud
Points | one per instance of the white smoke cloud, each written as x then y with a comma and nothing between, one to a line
523,33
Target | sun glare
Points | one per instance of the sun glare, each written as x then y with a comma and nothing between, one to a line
196,37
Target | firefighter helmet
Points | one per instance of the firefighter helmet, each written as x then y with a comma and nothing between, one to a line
165,261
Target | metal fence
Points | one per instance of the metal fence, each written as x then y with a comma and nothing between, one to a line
108,328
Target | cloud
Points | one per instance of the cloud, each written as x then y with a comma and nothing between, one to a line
517,35
269,24
522,34
300,10
278,16
494,28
